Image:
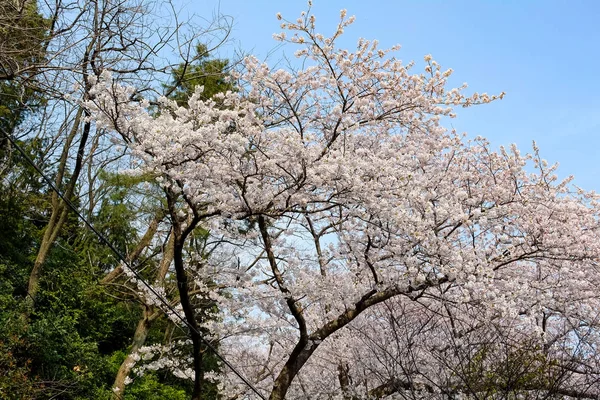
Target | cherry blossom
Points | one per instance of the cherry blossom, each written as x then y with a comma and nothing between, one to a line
371,250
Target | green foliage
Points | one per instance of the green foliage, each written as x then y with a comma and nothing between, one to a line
15,375
151,387
127,201
24,206
72,332
23,31
23,210
66,345
211,73
114,219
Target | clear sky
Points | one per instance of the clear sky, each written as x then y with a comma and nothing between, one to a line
544,54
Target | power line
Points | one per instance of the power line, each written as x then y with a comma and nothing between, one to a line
124,261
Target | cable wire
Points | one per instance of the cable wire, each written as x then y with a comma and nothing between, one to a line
126,263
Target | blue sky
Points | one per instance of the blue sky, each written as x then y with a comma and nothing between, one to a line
544,54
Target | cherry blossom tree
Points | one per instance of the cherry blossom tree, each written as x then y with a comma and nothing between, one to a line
370,250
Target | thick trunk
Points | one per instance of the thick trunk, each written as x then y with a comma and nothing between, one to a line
306,346
150,313
57,219
300,355
186,304
180,234
139,338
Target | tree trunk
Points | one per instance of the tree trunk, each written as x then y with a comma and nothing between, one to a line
60,211
180,234
184,296
50,234
139,338
150,313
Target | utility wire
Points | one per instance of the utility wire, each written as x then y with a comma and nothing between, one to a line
124,261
